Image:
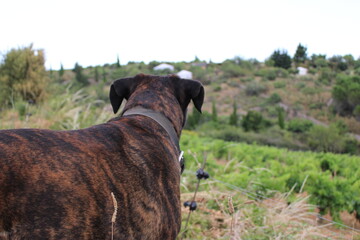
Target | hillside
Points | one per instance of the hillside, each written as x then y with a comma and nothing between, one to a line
281,148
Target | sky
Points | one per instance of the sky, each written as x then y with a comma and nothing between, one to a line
93,33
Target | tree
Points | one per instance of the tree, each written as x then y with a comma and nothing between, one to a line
118,62
346,93
281,117
300,54
193,119
61,71
96,74
338,63
23,75
318,61
214,112
281,59
79,76
326,139
104,74
234,118
252,121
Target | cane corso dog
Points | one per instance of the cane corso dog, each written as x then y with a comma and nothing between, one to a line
117,180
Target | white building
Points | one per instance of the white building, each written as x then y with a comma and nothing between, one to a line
185,74
164,66
302,71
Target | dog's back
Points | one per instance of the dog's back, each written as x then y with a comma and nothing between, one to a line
66,184
58,184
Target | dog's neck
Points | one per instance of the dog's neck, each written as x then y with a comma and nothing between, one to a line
163,121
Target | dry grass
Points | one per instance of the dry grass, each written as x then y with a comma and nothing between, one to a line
236,217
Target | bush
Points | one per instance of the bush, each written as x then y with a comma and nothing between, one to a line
326,76
298,125
254,121
255,89
274,98
282,73
248,79
231,69
317,105
319,61
279,84
267,73
338,63
356,112
281,59
325,139
23,75
346,93
331,195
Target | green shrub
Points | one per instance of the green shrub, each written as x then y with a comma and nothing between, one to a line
281,59
234,117
282,73
326,76
21,108
310,90
254,121
255,89
300,85
267,73
248,79
298,125
231,69
279,84
274,98
281,117
356,112
216,87
325,139
318,105
293,71
352,146
346,93
23,76
331,195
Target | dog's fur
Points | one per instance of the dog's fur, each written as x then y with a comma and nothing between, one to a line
58,184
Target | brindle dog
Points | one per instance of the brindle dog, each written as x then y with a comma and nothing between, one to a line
59,184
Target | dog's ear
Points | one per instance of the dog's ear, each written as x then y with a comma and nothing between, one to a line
194,91
120,89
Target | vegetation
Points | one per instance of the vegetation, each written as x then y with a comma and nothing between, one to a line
281,59
300,54
260,173
23,76
276,140
346,93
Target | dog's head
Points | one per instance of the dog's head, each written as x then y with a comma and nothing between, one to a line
165,94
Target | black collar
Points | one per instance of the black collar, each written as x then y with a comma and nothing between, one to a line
159,118
164,123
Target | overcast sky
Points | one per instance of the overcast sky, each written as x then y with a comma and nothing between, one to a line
95,32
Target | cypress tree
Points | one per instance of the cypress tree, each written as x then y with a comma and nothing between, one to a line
234,118
193,119
104,74
96,74
61,71
300,54
79,76
214,112
118,62
281,118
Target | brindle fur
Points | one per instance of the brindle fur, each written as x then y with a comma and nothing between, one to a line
58,184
